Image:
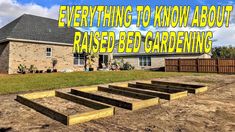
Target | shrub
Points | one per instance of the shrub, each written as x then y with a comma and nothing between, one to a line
49,70
121,65
54,62
128,66
22,69
115,65
32,69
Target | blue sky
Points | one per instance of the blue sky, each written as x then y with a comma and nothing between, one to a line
11,9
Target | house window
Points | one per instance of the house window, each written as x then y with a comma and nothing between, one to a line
79,59
145,61
48,52
103,59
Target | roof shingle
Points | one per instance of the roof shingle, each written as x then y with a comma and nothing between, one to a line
30,27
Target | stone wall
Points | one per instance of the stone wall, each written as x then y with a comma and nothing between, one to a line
4,57
157,61
35,54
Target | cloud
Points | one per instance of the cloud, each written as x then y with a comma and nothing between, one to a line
11,9
225,36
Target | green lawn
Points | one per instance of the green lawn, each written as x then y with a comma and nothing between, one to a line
32,82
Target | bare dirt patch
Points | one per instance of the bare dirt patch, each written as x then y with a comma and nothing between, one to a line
115,96
63,106
212,111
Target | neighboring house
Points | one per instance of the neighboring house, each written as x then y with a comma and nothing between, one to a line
33,40
142,60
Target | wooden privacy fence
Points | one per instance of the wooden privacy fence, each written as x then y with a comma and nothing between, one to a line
200,65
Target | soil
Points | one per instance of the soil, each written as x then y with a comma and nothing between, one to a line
115,96
63,106
211,111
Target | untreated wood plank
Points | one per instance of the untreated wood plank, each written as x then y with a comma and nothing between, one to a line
144,103
101,111
81,100
161,95
36,95
42,109
153,92
84,117
158,88
114,102
154,88
176,84
191,88
88,89
146,100
124,93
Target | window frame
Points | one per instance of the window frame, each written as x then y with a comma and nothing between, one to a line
103,58
145,61
79,57
50,52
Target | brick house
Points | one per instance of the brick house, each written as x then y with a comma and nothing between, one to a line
34,40
154,61
143,60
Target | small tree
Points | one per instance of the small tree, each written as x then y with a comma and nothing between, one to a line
54,62
91,59
32,69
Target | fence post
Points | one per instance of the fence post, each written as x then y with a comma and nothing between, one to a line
165,65
197,65
179,65
217,65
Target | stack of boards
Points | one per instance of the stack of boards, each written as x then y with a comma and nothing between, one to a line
103,100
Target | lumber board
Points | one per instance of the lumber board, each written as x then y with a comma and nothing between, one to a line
191,88
166,88
101,110
146,100
162,95
88,116
200,90
37,95
81,100
174,92
144,103
176,84
114,102
125,93
156,87
43,109
88,89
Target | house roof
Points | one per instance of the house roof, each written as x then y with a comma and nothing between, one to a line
35,28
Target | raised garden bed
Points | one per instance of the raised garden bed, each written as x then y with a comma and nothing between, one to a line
90,109
144,88
119,98
191,88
